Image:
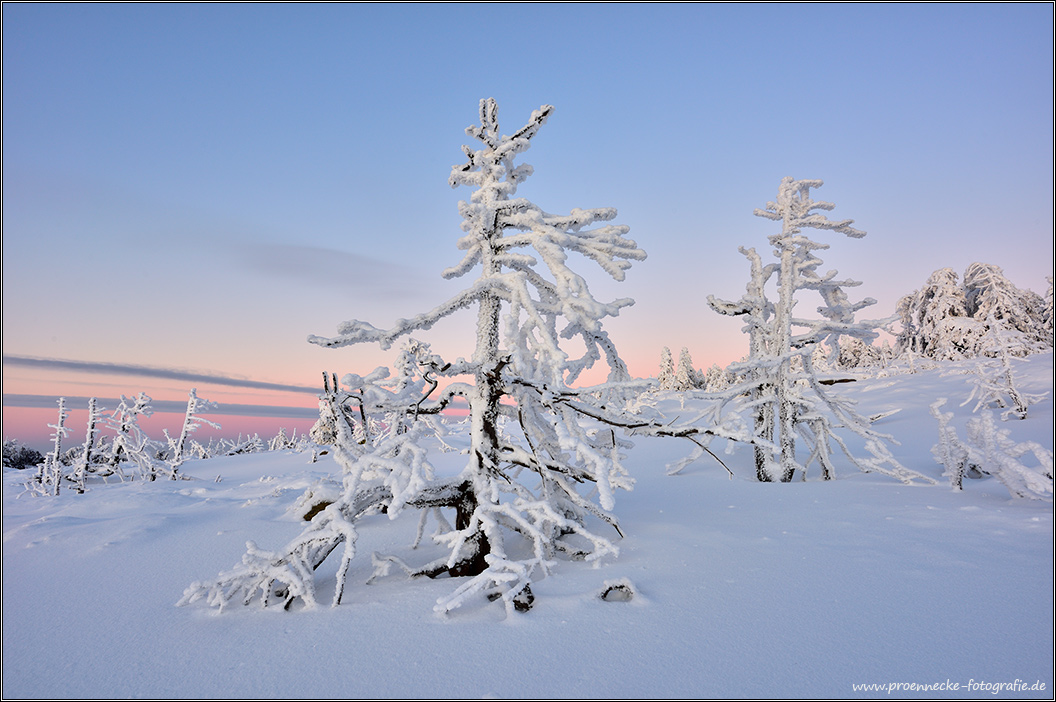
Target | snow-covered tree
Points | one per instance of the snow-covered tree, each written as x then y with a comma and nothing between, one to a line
50,472
784,395
685,375
192,421
131,444
947,321
666,378
716,379
535,441
281,442
989,294
1046,312
858,355
91,435
935,320
994,380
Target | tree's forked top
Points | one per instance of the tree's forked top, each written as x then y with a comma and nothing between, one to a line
795,208
521,253
496,159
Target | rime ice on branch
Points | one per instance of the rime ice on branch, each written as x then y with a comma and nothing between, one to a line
544,460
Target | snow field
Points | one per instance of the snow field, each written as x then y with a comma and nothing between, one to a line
744,588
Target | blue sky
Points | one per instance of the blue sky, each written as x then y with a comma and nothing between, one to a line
199,187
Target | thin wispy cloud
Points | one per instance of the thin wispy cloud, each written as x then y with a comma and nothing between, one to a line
164,406
329,267
143,371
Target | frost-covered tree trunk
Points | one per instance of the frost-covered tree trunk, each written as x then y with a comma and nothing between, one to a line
50,472
795,210
191,422
90,437
786,289
758,312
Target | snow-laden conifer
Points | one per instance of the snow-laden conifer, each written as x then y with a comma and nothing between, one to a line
935,320
716,379
666,378
686,376
989,294
544,462
783,393
19,457
1046,311
945,320
281,442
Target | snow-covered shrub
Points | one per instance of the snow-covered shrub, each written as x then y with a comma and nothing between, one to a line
993,451
131,445
950,453
239,446
544,462
19,457
779,387
989,450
